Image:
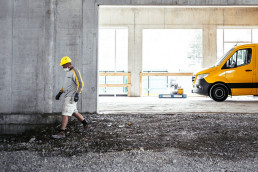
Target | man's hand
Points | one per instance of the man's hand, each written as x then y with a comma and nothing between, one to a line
76,97
58,95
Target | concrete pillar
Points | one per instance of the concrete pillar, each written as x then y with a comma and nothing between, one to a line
27,56
131,46
68,42
49,54
209,43
90,56
6,20
135,58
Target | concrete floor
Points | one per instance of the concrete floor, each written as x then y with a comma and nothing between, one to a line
155,105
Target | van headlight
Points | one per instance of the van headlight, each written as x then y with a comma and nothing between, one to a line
202,76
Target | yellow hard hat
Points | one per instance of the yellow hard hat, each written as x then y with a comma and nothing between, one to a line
65,60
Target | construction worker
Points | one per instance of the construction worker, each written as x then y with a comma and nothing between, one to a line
72,87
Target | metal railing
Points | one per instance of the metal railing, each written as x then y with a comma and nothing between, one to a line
160,74
128,85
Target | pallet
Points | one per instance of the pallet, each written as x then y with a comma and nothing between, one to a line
172,96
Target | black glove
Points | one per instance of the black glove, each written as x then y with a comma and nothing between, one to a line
58,95
76,97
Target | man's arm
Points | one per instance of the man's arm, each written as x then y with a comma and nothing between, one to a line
79,83
59,94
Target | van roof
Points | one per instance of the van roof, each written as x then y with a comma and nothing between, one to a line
252,44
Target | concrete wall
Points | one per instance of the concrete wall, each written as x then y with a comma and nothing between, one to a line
205,18
35,34
68,41
6,56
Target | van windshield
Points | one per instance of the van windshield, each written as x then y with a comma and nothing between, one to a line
221,59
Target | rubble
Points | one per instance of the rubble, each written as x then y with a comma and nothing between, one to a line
223,138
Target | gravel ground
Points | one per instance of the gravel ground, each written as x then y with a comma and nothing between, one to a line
130,142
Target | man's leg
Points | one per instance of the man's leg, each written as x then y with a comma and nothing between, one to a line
78,116
64,122
82,120
61,133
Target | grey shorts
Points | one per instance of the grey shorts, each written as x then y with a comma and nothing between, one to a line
69,107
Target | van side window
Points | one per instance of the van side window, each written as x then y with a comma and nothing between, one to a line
239,58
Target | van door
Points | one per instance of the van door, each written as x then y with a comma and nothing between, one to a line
240,72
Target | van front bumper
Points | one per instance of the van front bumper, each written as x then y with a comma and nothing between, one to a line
201,87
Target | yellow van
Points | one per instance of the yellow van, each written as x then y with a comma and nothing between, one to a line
235,73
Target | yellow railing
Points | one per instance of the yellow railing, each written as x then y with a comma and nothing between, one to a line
128,85
161,74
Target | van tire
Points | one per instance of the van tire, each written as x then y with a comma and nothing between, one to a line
219,92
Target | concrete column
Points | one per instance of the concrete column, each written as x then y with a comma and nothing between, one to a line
49,54
90,56
131,51
27,64
6,11
143,20
209,50
68,42
135,58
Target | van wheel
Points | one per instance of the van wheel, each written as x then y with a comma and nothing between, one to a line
219,92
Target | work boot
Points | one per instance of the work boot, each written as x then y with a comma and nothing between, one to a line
59,135
84,128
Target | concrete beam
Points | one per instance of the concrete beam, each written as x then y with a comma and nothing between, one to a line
151,16
244,16
193,16
178,2
116,16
